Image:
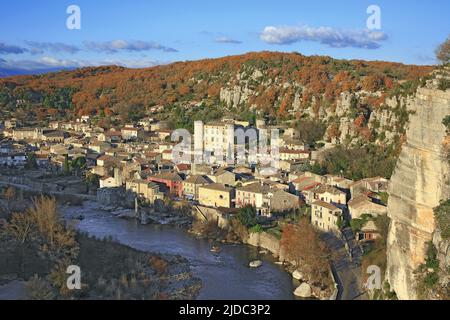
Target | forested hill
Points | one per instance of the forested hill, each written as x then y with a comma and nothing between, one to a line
273,82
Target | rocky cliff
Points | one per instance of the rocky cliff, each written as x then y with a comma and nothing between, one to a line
355,117
419,183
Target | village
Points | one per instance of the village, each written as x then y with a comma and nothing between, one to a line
133,166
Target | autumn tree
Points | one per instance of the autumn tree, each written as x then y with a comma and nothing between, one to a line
302,244
9,194
333,132
183,90
286,103
443,52
373,83
214,90
40,226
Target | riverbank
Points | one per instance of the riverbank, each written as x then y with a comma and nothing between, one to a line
219,231
211,225
34,261
270,282
110,270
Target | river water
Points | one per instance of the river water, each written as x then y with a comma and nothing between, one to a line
224,276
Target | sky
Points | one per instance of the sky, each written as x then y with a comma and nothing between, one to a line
140,33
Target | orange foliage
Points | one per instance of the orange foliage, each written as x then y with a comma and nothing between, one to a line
214,90
333,131
366,133
302,244
285,103
359,122
99,88
373,83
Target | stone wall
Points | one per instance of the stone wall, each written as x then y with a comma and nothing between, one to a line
210,214
46,185
419,182
266,241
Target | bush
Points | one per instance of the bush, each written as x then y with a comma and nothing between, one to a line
311,131
357,224
256,229
384,197
428,273
39,289
442,215
247,216
359,163
431,279
160,265
446,122
444,84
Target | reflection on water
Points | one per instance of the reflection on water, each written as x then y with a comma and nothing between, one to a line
225,275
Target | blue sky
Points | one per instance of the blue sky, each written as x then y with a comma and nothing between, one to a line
139,33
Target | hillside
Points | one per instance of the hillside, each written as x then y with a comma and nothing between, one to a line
356,102
94,90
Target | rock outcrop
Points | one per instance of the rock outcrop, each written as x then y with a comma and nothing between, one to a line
303,291
387,121
419,183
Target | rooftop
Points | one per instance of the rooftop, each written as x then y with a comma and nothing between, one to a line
256,187
172,176
326,205
218,187
197,179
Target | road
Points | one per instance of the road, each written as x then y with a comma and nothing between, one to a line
348,274
54,193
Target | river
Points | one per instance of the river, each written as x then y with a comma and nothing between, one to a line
224,276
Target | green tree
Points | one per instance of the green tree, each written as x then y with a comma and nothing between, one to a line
247,216
31,161
92,180
78,164
66,166
442,214
446,122
310,131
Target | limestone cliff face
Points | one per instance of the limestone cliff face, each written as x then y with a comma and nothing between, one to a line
419,183
384,121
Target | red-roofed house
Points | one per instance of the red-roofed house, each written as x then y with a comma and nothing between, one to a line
173,182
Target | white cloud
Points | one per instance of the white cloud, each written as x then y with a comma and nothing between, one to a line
11,49
48,62
335,38
123,45
227,40
41,47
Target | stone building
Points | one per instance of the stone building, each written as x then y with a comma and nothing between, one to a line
325,216
364,205
192,184
145,190
216,195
